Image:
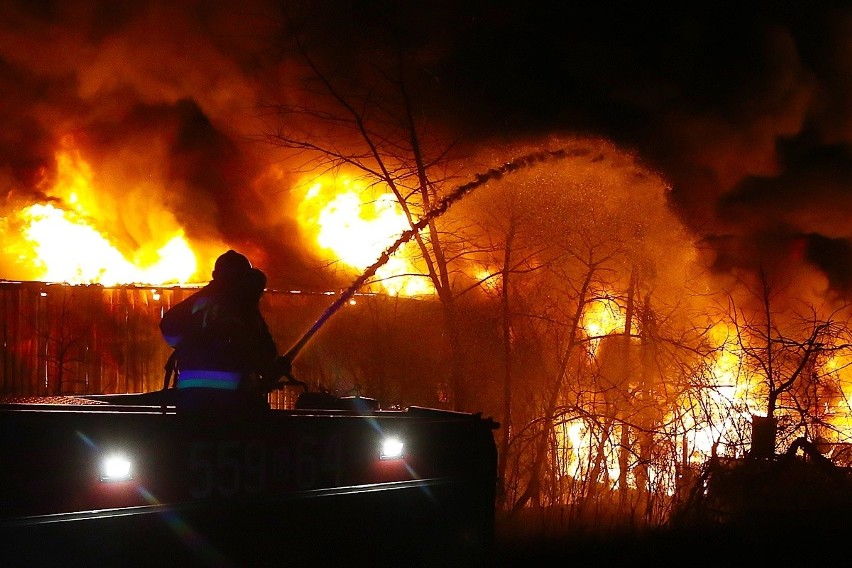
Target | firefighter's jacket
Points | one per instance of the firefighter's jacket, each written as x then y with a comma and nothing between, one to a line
220,338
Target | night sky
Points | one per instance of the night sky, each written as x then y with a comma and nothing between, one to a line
744,108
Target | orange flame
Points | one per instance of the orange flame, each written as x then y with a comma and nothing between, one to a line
67,249
62,241
352,227
600,318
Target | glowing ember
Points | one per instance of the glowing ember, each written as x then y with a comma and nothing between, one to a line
354,229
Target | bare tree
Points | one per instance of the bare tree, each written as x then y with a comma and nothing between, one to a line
372,128
598,255
781,346
548,265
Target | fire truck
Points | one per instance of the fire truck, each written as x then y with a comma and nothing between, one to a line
131,479
109,480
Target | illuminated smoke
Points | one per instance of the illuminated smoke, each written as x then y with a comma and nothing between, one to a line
746,112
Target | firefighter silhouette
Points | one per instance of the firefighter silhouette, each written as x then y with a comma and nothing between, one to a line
224,354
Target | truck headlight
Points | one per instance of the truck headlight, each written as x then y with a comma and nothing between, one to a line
391,448
116,467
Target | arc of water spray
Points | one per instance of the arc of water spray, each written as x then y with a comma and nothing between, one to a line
441,208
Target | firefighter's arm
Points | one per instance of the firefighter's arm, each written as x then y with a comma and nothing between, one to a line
176,322
284,367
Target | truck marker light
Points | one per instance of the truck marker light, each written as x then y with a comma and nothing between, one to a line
391,449
116,467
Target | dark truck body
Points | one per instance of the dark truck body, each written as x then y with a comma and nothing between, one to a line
301,487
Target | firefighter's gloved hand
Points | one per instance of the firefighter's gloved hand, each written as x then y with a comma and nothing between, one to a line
274,375
268,383
283,367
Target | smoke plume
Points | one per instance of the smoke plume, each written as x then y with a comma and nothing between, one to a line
746,111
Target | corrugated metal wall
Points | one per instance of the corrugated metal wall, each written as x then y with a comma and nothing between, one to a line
62,339
59,339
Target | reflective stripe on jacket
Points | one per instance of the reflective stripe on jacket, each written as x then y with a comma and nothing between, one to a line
206,378
219,337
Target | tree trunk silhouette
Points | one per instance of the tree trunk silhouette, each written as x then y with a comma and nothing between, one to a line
541,447
624,383
506,326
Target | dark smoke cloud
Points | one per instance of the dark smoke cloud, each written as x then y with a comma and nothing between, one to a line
745,108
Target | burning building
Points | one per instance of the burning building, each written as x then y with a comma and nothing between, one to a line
623,310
